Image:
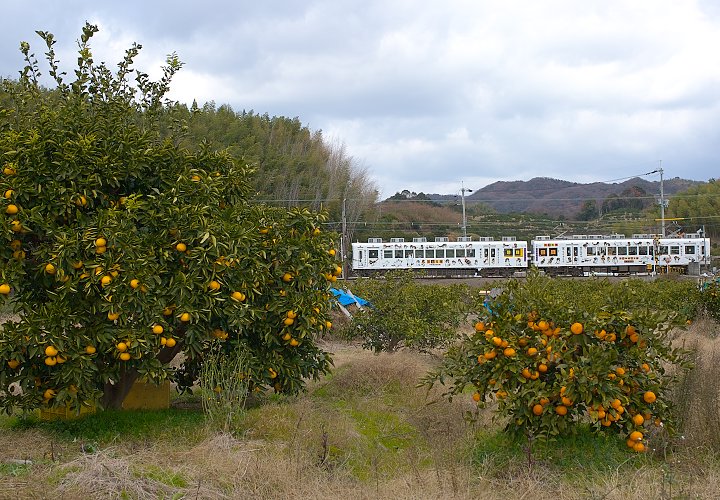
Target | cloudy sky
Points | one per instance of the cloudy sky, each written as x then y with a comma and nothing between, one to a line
432,95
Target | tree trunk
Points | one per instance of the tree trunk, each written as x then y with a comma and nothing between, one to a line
115,393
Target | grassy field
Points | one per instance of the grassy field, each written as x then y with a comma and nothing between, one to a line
367,431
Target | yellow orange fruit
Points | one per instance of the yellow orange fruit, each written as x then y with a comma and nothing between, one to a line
13,363
214,286
649,397
576,328
90,349
157,329
238,296
170,342
49,268
185,317
181,247
51,351
561,410
112,316
124,356
4,289
537,409
11,209
134,283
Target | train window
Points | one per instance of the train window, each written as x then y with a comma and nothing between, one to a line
651,250
486,252
508,252
543,252
360,255
398,254
643,250
408,254
450,253
440,253
632,251
591,251
622,251
567,251
518,252
663,250
575,251
460,252
372,254
553,252
689,250
492,253
387,254
674,250
612,250
471,252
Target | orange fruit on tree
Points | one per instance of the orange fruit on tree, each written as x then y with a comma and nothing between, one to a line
291,314
51,351
287,277
121,346
9,193
238,296
288,321
49,268
649,397
479,326
509,352
16,226
11,209
13,363
561,410
105,280
476,397
157,329
51,360
134,283
286,336
620,371
636,435
497,341
185,317
4,289
490,355
532,351
124,356
90,349
576,328
214,286
112,316
48,394
181,247
170,342
294,342
566,401
526,373
639,447
638,419
542,368
537,409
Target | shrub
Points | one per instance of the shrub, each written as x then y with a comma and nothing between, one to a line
551,365
405,313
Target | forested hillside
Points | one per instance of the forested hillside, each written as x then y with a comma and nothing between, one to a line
294,164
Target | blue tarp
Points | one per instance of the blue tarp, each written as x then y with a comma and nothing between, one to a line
345,298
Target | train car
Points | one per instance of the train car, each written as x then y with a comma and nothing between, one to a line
465,257
617,254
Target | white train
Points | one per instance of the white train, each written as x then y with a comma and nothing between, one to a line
577,255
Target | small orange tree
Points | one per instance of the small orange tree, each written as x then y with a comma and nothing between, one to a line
551,367
122,250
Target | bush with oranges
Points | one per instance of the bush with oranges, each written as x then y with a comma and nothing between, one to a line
550,368
122,249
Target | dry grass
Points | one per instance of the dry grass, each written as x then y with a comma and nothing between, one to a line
364,432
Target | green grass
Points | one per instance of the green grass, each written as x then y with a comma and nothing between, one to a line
108,426
581,453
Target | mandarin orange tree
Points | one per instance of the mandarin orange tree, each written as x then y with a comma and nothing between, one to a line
551,366
122,250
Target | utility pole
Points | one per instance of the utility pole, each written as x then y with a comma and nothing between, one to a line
464,220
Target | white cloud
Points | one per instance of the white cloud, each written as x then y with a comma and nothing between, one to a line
429,94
